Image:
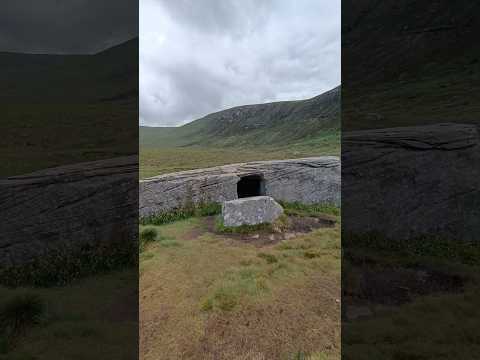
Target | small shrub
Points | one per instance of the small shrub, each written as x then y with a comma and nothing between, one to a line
148,235
269,258
20,312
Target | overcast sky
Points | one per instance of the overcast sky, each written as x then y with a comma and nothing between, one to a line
198,57
66,26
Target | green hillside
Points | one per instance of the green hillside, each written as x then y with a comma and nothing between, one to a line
272,124
401,70
280,130
61,109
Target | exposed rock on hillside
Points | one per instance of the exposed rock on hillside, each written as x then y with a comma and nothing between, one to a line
309,180
93,203
276,123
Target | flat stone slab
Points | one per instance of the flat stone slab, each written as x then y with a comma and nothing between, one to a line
408,182
251,211
309,181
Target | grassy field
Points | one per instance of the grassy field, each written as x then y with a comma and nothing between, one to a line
156,160
206,294
94,132
420,300
93,318
432,327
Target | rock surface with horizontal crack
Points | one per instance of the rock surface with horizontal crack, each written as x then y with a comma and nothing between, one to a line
91,204
409,182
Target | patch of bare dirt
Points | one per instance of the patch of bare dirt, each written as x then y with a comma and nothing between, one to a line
296,225
198,231
305,224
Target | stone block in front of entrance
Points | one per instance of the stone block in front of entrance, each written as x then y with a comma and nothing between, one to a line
250,211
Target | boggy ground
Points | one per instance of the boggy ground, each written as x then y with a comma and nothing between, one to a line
205,294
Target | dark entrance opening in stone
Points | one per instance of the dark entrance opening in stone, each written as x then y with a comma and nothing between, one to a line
251,185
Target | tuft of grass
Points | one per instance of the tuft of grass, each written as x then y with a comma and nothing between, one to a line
65,263
169,243
235,286
299,209
188,211
148,235
467,253
225,299
242,229
207,305
21,312
311,255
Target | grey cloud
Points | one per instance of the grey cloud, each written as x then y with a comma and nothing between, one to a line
73,26
187,97
198,57
228,17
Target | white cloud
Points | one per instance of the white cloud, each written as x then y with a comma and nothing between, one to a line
198,57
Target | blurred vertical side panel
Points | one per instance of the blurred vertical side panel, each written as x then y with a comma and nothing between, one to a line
410,179
69,180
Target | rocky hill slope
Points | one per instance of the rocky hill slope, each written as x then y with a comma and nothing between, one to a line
261,124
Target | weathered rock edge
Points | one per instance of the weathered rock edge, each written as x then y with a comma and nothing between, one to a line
87,203
308,180
413,181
